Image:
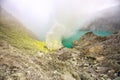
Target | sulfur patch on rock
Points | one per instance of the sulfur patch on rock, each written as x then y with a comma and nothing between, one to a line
14,32
91,58
22,56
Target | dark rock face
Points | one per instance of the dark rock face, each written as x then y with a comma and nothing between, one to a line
92,58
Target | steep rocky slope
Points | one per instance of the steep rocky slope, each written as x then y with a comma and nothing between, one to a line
12,31
92,58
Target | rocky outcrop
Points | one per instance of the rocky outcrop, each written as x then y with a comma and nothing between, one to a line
94,57
91,58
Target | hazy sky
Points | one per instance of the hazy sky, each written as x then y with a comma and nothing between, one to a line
40,15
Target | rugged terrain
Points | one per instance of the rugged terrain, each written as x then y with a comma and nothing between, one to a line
23,57
92,58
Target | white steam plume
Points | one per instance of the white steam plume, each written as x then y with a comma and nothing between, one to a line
61,18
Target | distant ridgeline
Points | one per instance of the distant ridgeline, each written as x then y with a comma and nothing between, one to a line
68,42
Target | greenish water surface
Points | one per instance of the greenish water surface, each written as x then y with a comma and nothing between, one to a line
68,42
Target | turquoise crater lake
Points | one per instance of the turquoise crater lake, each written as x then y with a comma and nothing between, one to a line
68,42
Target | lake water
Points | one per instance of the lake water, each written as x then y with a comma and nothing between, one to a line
68,42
